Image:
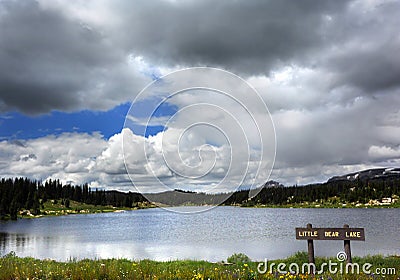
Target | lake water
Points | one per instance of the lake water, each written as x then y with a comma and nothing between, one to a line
211,235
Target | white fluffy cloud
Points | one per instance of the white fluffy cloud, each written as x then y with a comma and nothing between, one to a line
323,131
69,157
88,158
384,152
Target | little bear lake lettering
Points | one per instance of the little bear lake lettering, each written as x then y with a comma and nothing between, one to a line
308,233
330,234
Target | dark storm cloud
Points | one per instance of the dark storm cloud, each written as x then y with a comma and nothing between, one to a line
363,47
357,42
248,36
371,72
48,61
57,59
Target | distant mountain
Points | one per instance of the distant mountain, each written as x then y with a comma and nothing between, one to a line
179,197
272,184
273,192
376,173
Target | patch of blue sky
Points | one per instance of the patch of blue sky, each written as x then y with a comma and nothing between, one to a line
149,116
15,125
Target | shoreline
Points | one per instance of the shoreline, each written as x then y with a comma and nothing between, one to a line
319,206
52,209
92,209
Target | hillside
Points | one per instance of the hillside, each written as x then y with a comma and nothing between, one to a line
369,174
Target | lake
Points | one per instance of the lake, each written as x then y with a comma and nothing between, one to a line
211,235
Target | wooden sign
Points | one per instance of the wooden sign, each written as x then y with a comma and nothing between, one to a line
346,233
355,234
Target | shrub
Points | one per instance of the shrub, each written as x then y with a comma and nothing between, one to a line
238,258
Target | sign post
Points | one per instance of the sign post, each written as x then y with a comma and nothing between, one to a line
310,245
346,233
347,249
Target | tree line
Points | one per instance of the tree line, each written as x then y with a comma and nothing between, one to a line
23,193
357,191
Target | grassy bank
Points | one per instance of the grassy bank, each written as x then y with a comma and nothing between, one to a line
58,208
13,267
325,204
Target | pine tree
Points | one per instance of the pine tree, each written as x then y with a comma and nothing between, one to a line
13,210
35,205
29,201
67,203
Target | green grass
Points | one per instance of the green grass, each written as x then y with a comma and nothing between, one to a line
56,208
13,267
323,204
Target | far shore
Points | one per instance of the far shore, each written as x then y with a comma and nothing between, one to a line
56,209
60,210
327,205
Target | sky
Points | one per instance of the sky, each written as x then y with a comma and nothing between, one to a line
71,72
